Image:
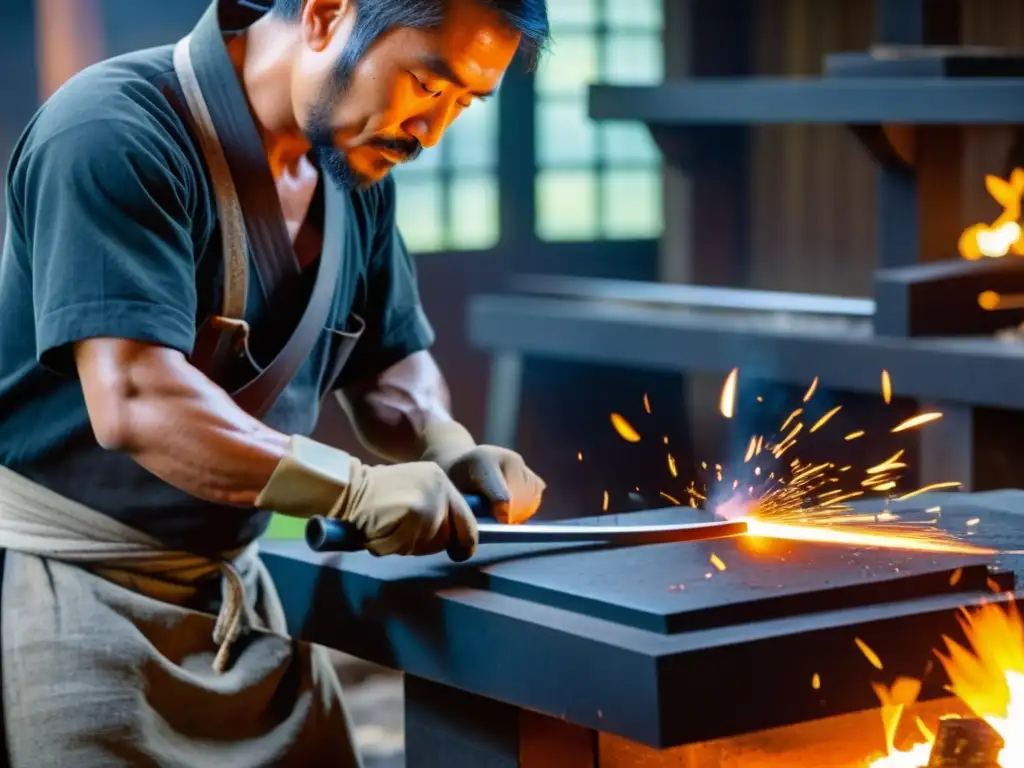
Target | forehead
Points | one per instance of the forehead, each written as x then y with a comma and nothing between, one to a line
475,39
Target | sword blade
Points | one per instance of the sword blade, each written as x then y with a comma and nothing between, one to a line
499,533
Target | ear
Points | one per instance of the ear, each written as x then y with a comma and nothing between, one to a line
320,20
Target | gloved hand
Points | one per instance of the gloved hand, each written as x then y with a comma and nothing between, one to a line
402,509
499,475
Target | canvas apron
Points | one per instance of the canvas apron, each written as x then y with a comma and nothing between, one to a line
107,661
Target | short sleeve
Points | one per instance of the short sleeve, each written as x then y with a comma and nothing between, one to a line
106,210
396,325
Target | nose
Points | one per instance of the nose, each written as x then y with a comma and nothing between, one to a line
428,126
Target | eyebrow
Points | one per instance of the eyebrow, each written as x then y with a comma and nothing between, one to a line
439,66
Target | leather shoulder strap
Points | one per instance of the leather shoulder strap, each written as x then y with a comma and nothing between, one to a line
229,210
259,394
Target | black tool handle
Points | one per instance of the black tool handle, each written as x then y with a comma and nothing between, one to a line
327,534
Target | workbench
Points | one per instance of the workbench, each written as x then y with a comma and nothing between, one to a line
544,655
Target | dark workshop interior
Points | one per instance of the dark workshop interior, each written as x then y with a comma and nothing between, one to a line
811,192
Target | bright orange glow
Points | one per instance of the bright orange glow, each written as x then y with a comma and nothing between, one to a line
911,541
869,654
1004,235
987,675
886,387
727,403
811,389
625,429
824,419
916,421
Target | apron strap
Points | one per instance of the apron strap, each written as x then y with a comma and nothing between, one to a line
229,210
258,395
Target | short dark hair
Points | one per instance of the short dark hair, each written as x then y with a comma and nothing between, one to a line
375,17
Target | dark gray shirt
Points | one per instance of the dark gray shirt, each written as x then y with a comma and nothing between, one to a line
112,232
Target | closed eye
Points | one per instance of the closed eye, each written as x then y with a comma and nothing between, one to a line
423,86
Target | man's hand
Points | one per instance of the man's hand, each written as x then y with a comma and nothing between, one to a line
411,509
499,475
401,509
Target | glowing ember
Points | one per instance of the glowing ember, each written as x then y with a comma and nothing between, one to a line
886,387
625,429
854,435
647,403
987,676
1003,236
869,654
916,421
717,562
816,682
937,542
672,465
604,502
727,403
811,389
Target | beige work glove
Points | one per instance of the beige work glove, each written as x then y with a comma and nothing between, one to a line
499,475
401,509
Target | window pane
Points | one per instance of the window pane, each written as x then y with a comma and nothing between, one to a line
628,143
633,59
420,212
634,14
571,63
472,140
565,134
632,204
567,205
474,206
572,13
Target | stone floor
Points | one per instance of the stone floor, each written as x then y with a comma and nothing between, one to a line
374,698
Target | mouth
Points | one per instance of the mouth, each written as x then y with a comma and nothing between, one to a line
391,156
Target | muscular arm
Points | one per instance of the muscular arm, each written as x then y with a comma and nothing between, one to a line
390,411
148,402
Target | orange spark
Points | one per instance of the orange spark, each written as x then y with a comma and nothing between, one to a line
816,682
750,449
854,435
625,429
821,422
647,403
886,387
955,578
672,465
790,418
604,502
916,421
927,488
670,498
579,456
885,466
717,562
810,391
869,654
727,403
973,521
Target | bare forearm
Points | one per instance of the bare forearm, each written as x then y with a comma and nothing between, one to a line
152,405
391,412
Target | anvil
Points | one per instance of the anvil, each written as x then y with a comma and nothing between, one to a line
653,646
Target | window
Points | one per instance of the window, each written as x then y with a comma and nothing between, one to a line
597,180
448,197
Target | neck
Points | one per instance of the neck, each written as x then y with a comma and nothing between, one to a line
263,62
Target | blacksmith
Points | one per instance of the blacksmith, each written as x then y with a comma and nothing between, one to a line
200,246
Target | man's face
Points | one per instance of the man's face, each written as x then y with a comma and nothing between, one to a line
401,95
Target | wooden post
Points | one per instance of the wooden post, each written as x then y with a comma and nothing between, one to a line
69,37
